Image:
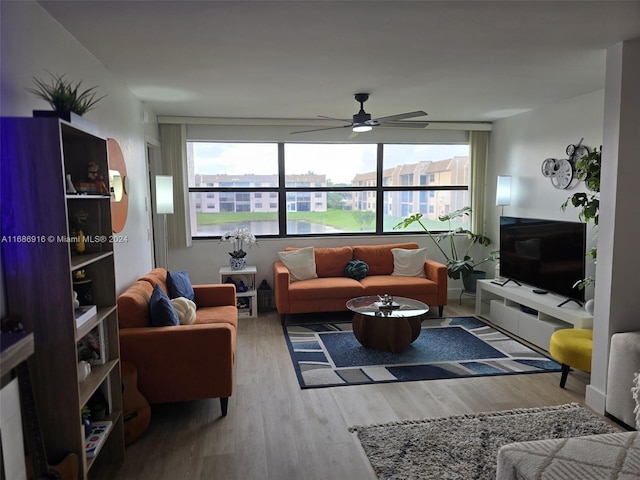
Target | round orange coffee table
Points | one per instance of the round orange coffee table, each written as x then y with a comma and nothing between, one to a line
389,329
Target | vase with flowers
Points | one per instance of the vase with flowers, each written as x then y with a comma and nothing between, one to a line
241,238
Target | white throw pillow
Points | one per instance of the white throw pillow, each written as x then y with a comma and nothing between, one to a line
409,263
186,310
301,263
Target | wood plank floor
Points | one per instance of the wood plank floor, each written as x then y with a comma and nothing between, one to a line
274,430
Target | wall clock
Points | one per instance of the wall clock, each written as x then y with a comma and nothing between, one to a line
549,167
562,171
575,152
563,175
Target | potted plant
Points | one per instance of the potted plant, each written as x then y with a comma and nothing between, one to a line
240,238
65,96
588,169
459,263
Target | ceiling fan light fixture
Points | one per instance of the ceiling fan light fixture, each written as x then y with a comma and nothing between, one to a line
362,128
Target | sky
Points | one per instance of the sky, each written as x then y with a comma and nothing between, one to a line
340,163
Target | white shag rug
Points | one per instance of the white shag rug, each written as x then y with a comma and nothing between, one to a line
465,447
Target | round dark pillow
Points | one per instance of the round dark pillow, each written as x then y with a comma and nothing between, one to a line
356,269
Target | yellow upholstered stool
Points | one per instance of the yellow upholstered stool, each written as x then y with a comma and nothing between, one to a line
572,348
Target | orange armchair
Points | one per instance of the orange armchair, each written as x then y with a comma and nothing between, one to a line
183,362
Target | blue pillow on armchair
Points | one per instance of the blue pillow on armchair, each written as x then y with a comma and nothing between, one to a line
179,285
161,309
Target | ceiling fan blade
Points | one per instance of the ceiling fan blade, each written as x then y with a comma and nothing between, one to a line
352,135
404,124
320,129
402,116
336,119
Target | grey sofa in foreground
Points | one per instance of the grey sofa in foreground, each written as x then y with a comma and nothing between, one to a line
610,456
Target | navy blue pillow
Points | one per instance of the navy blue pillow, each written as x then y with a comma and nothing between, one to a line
161,310
179,285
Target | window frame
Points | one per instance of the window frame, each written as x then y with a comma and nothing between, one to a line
380,189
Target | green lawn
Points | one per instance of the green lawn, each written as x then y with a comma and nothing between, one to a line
345,220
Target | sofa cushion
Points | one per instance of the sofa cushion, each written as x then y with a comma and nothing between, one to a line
356,269
179,285
161,310
300,263
330,261
379,257
157,276
133,305
412,287
319,288
408,262
222,314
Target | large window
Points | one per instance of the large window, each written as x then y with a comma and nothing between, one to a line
321,189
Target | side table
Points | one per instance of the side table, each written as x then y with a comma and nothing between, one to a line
247,301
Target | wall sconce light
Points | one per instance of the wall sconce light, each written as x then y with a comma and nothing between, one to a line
118,186
503,192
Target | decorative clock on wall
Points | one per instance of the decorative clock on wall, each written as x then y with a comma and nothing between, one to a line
562,172
563,175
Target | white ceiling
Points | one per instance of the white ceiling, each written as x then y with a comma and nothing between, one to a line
456,60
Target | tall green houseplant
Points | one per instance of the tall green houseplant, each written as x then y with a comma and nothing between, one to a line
588,169
459,263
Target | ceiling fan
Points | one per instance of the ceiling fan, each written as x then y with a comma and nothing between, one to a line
362,121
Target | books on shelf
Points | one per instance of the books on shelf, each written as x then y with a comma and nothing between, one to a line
94,442
84,313
244,306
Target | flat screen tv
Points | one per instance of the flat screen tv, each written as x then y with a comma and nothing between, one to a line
546,254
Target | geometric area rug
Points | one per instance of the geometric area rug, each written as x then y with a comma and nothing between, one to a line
329,355
466,446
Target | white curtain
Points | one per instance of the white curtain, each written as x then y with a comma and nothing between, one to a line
174,162
479,148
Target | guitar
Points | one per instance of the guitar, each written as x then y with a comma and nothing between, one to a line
37,465
136,409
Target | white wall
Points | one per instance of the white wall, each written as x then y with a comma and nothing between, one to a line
519,145
616,300
32,42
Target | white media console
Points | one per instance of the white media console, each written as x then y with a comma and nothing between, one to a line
501,305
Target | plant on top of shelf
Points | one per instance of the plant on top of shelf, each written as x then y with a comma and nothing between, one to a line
588,169
64,95
459,263
241,238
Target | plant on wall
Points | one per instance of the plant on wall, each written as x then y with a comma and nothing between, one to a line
64,95
588,169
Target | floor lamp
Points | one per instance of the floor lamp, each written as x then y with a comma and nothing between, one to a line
503,192
164,206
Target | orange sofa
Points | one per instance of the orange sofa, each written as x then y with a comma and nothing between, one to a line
331,290
183,362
